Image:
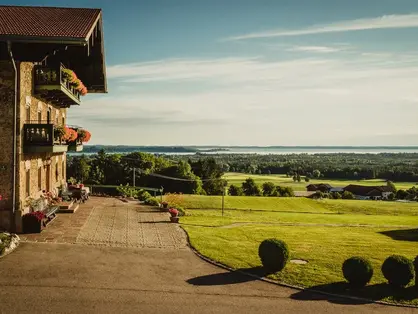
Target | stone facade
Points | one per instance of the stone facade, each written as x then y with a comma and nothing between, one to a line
7,78
35,172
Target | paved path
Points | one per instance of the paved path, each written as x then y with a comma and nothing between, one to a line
137,262
111,222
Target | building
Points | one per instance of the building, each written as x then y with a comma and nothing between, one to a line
322,187
369,192
49,59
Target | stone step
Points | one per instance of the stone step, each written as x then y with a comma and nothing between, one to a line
72,209
66,205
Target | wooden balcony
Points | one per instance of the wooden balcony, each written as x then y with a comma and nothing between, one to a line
76,146
51,86
40,138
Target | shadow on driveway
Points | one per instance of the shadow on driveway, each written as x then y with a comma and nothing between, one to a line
373,292
228,278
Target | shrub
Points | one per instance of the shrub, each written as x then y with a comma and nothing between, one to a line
181,211
348,195
398,270
174,199
274,254
235,190
143,195
357,271
152,201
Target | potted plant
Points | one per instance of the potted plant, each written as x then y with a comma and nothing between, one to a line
165,204
174,215
33,222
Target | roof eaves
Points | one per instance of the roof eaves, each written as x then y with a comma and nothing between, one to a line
41,39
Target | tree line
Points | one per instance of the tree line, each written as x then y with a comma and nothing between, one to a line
401,167
203,176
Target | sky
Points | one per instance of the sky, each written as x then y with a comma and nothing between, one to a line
240,72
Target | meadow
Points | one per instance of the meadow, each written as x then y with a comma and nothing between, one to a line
282,180
322,232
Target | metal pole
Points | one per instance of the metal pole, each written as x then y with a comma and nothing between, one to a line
223,201
133,173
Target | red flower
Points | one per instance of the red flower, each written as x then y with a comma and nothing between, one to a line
173,212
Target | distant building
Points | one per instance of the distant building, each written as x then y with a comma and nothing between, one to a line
369,192
322,187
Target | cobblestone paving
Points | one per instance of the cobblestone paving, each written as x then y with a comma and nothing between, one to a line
110,222
129,225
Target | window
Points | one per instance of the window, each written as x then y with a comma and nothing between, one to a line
39,116
63,121
28,183
40,178
56,172
63,169
28,113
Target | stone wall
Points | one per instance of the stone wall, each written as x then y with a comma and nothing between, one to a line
37,163
30,108
6,140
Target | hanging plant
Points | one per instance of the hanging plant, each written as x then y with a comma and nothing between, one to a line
83,135
74,81
59,131
70,135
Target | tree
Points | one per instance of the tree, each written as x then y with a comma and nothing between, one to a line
268,188
348,195
295,178
250,188
235,190
298,178
285,191
307,179
401,194
316,173
391,186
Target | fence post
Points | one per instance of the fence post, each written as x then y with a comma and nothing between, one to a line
416,272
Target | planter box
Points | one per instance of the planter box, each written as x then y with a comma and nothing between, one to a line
175,219
33,226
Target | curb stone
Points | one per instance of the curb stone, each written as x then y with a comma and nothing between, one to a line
14,243
282,284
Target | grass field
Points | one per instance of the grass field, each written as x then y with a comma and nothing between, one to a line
324,233
278,179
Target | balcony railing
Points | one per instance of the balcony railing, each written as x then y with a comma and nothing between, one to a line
51,85
41,137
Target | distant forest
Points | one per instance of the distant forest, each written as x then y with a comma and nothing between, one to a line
202,174
388,166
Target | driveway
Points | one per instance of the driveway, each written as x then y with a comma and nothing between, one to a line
118,275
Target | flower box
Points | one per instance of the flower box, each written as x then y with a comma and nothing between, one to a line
33,222
174,219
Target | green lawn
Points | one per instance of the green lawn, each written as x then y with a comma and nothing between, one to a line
300,204
278,179
324,233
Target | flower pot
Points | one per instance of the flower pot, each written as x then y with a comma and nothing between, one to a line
33,226
175,219
165,205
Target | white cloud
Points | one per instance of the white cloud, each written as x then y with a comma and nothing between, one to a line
317,101
383,22
315,49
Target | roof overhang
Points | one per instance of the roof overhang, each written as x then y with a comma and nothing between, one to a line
84,55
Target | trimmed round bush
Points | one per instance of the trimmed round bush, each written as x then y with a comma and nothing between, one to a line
398,270
274,254
357,271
